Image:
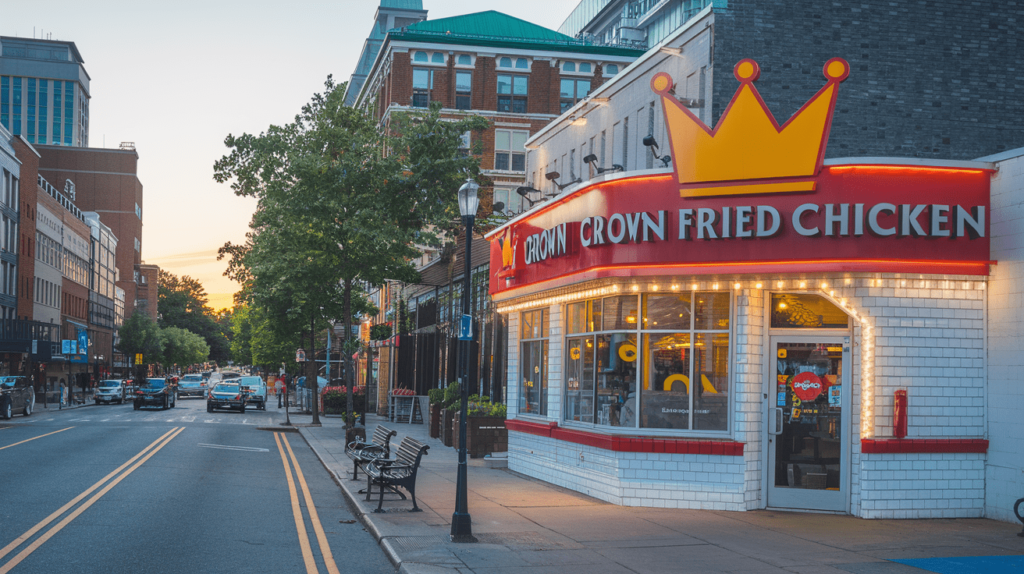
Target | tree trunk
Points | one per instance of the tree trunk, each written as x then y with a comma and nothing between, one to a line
347,354
311,370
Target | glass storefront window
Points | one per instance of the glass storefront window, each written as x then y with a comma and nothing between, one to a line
664,367
579,380
620,313
533,359
806,311
616,380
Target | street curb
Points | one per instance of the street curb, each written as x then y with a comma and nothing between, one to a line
353,503
420,568
279,429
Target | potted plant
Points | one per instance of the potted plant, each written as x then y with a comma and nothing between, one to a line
436,397
485,428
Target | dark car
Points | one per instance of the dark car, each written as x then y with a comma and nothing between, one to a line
192,386
16,394
226,395
158,392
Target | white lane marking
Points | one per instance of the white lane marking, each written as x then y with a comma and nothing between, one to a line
172,420
104,420
78,420
211,421
226,447
243,420
188,419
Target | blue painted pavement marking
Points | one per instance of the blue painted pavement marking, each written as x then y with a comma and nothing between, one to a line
969,564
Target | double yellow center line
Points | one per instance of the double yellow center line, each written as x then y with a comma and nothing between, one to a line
300,525
141,458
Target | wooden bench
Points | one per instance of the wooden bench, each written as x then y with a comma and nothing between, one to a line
364,452
389,474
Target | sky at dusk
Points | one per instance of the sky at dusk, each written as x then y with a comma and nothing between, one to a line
177,77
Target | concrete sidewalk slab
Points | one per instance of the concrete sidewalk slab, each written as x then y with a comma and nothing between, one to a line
528,526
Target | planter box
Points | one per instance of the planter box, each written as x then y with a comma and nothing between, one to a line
484,435
435,420
446,426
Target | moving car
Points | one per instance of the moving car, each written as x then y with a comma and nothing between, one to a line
158,392
110,391
226,395
191,386
256,391
16,394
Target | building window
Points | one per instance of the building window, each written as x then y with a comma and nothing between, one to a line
611,69
585,68
419,57
573,91
510,150
463,90
533,361
625,142
138,244
422,84
437,58
569,66
138,211
464,60
513,201
512,92
651,361
519,63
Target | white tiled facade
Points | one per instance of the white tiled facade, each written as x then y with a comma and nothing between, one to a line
923,334
1004,470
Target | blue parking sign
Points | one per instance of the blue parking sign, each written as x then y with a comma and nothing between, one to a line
466,328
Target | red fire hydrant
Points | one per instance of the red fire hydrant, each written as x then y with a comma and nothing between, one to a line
899,415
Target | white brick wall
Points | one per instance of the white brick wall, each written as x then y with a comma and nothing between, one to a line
928,337
657,480
1005,468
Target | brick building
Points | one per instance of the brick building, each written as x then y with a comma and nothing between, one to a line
104,181
519,76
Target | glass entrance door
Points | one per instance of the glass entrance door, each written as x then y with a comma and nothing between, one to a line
807,434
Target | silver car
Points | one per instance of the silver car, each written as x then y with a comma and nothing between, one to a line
110,392
192,386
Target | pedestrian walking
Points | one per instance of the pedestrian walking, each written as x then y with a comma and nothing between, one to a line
282,389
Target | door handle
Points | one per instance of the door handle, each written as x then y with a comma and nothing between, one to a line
775,422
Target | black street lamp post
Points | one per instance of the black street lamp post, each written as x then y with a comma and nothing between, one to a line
462,524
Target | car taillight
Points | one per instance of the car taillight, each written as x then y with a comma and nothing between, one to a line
238,396
138,392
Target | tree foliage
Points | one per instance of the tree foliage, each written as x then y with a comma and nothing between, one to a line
341,204
183,303
183,347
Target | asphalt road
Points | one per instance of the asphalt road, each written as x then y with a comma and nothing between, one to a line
108,489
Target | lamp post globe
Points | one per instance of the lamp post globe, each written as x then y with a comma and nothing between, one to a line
468,199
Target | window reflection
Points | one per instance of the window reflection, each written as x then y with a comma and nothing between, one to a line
616,379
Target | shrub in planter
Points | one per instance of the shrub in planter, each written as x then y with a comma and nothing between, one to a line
484,434
335,400
436,397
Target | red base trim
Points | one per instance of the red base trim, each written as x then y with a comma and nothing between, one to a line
626,443
920,445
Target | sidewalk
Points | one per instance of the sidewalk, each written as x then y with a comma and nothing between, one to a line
528,526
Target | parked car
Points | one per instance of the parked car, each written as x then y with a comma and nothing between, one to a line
191,386
256,391
226,395
156,392
16,394
110,391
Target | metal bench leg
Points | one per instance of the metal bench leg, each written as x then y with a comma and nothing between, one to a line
412,491
355,469
381,502
369,487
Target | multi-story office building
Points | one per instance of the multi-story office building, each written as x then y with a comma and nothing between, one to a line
104,181
10,182
519,76
105,315
147,290
44,91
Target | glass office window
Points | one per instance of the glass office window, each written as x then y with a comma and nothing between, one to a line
533,361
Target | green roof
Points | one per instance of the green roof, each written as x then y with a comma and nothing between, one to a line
493,28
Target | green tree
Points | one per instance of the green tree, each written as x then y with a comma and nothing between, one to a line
140,334
183,347
183,303
335,212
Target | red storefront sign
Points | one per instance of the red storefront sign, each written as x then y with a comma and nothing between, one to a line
790,213
807,386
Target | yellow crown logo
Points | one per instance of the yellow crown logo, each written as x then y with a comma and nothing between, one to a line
748,144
